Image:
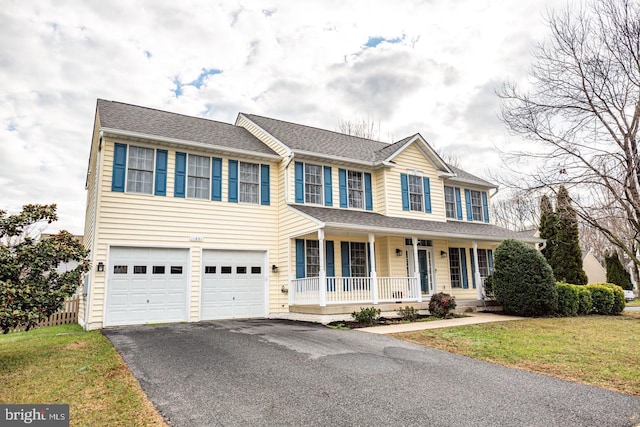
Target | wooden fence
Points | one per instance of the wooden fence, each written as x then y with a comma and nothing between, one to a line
68,313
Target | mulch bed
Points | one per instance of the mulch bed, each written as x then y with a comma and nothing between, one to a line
352,324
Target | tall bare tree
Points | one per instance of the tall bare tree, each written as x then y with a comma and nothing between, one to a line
363,128
581,113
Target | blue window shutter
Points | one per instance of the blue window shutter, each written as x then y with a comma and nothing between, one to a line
119,167
328,187
233,181
404,185
467,196
330,257
216,179
368,193
342,181
490,260
161,173
346,265
463,265
458,204
473,267
300,259
485,206
427,194
265,192
299,181
181,173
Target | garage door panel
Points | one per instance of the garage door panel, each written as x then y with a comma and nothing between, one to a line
145,291
230,287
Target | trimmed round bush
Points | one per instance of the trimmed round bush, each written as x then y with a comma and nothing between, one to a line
618,298
567,299
585,302
523,282
603,298
441,305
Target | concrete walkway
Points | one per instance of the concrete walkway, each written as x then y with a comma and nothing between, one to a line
472,319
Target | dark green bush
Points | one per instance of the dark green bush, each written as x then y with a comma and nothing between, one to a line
441,304
603,298
567,299
618,298
585,302
367,316
523,282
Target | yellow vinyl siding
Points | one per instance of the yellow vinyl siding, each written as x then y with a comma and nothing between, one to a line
411,159
166,221
263,136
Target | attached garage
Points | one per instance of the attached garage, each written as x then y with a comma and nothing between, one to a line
146,285
233,284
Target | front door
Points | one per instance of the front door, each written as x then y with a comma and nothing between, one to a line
425,268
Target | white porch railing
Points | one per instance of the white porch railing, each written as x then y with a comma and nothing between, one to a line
349,290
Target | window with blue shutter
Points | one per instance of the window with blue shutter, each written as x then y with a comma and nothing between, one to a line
331,264
427,195
216,179
467,197
161,173
119,167
265,195
233,181
485,206
463,267
458,204
342,183
328,190
473,267
299,182
404,185
300,259
180,174
368,193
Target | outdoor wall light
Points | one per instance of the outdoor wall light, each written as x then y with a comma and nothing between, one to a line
443,254
274,268
100,267
398,252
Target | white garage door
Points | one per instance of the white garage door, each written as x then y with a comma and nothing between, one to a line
146,285
233,284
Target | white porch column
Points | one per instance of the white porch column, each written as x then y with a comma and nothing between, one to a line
416,267
476,271
374,275
322,279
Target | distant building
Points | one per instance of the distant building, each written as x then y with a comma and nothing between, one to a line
596,273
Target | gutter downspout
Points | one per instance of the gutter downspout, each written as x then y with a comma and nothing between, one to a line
291,155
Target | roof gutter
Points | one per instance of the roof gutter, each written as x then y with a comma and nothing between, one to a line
129,134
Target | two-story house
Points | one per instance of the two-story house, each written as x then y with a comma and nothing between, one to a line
190,219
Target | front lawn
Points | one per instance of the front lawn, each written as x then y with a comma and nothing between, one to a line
634,303
596,350
64,364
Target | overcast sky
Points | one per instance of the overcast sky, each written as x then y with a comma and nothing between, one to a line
411,66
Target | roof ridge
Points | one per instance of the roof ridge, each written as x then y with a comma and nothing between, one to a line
166,112
320,129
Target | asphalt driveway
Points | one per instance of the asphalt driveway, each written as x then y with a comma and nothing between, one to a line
280,373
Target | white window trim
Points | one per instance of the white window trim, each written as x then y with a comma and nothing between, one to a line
186,190
259,183
304,183
453,194
153,171
364,202
472,205
420,193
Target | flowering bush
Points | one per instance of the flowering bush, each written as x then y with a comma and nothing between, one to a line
441,304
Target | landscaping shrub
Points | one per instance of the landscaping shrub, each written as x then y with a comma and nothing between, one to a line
603,298
585,302
568,300
441,305
618,298
367,316
408,313
523,282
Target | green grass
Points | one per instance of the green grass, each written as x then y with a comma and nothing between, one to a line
64,364
634,303
596,350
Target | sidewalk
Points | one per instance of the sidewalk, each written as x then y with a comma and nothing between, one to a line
472,319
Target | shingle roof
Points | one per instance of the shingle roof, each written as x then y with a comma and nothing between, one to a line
132,118
321,141
371,220
466,177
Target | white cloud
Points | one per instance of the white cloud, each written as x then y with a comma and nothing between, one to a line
431,72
